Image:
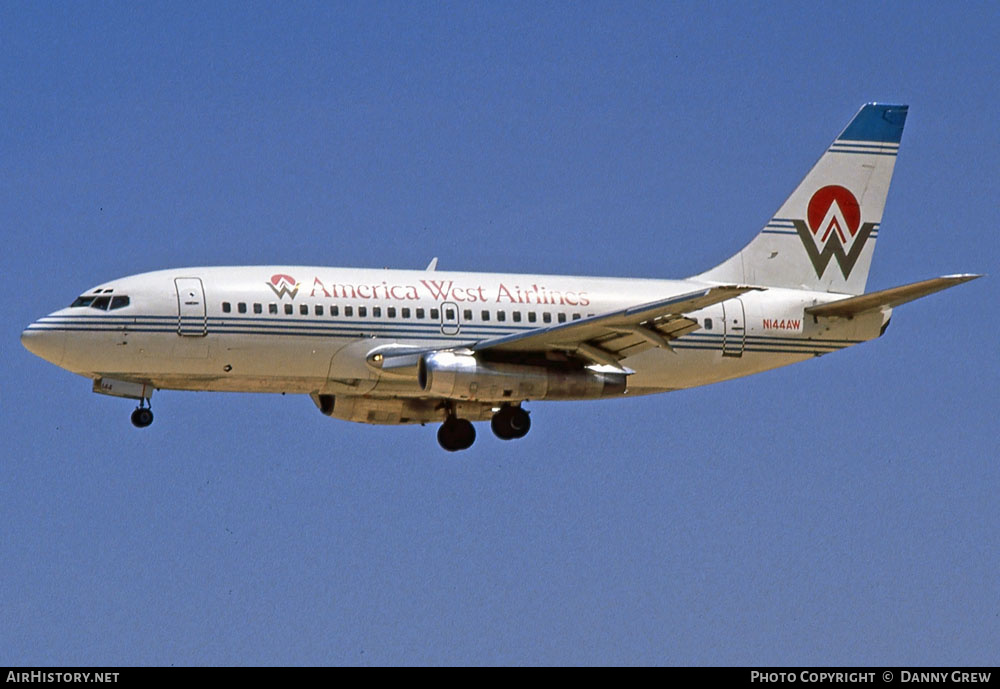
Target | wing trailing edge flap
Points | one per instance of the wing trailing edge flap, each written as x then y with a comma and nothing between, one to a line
606,339
892,297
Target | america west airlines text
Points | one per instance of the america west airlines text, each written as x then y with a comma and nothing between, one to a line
449,290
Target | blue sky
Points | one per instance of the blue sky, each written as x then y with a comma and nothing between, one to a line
841,511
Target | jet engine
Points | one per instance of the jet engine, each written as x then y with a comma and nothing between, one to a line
457,375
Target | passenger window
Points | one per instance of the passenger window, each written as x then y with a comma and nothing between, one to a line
319,309
304,309
391,312
420,313
288,309
485,315
449,314
241,307
362,311
501,316
119,302
257,308
226,307
435,314
517,316
531,316
406,312
546,317
576,316
348,311
334,310
708,324
272,308
467,314
377,311
562,317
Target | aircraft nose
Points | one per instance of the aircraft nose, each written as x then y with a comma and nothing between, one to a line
47,344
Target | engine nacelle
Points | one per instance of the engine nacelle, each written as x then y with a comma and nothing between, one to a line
456,375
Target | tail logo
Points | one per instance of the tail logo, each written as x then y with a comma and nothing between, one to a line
282,285
833,228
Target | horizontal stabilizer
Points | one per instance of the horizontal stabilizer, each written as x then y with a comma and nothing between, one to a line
894,296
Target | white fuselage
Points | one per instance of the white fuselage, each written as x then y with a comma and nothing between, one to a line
253,329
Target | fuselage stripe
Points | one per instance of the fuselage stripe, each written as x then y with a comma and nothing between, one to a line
368,329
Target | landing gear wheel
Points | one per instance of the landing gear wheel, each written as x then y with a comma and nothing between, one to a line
142,417
456,434
510,423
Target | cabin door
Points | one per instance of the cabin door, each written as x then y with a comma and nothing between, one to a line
191,314
734,333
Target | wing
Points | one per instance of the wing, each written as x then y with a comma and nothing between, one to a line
610,337
603,339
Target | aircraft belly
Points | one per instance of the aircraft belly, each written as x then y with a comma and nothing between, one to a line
217,362
347,371
658,370
229,383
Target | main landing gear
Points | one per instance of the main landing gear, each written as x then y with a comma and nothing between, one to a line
143,415
456,434
508,423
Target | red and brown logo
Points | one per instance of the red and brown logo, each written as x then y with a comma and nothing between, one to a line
833,228
282,284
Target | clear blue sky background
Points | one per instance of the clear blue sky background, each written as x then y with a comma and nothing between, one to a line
843,510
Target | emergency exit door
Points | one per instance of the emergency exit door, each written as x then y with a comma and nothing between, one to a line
450,322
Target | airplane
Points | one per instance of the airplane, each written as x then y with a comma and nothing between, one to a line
409,346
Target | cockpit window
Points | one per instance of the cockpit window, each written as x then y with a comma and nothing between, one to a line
101,303
104,303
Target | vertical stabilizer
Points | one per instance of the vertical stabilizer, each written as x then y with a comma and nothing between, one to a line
823,237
